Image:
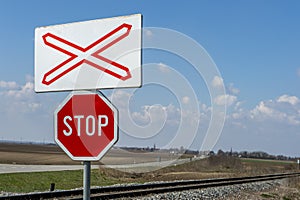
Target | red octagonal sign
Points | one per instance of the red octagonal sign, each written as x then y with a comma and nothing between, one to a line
86,126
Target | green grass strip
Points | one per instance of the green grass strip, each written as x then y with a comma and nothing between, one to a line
40,181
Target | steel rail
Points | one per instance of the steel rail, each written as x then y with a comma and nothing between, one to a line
112,192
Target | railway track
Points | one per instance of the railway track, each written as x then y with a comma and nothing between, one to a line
146,189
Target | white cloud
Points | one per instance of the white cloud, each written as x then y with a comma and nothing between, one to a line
288,99
236,115
120,98
173,114
149,112
263,109
19,98
24,111
185,100
233,90
270,125
156,114
217,82
24,91
225,100
8,85
277,111
283,111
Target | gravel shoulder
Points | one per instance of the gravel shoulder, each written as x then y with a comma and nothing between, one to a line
277,189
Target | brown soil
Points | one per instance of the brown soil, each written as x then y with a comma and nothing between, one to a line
32,154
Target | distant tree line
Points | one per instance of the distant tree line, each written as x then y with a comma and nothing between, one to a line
254,154
241,154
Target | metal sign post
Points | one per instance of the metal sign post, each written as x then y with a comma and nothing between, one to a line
86,180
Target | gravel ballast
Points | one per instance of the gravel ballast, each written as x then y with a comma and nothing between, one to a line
215,193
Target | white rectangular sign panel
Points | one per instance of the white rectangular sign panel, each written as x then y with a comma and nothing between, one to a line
94,54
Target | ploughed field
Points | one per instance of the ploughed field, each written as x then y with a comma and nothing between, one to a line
32,154
11,153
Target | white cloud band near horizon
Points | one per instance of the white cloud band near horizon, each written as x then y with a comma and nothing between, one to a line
267,117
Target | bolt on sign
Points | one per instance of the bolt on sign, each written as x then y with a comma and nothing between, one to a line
94,54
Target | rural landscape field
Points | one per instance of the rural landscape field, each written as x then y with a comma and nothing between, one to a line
214,166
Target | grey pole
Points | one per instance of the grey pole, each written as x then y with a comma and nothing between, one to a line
86,180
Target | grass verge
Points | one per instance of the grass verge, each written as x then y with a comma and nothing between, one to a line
40,181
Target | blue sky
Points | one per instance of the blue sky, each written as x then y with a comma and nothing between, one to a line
254,44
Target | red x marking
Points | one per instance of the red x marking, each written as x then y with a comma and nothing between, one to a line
79,55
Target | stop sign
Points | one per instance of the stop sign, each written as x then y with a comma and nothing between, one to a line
86,126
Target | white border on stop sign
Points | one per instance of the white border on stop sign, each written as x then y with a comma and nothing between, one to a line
116,127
